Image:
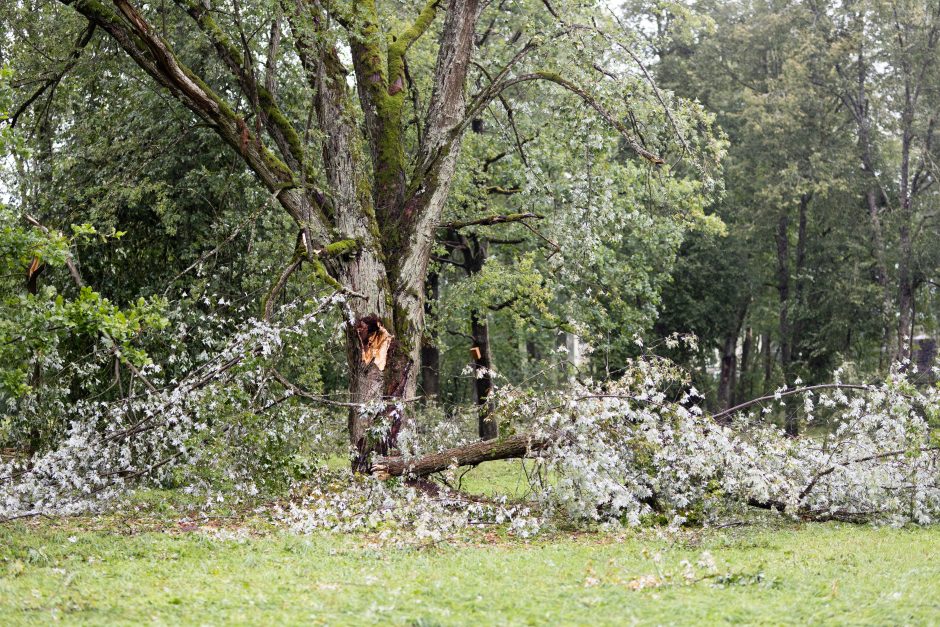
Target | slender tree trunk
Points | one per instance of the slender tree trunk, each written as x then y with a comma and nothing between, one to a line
881,273
430,353
483,381
744,386
767,358
475,251
796,337
860,107
729,360
726,377
905,280
905,294
783,288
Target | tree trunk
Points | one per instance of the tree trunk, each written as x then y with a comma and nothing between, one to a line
859,104
881,273
381,353
430,353
483,378
796,336
783,288
905,294
729,361
726,376
905,280
743,389
475,251
767,357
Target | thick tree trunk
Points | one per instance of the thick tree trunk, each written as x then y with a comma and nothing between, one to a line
382,379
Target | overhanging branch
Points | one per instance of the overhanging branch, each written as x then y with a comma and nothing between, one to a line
491,220
496,88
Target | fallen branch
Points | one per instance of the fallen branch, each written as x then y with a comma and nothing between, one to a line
512,447
782,393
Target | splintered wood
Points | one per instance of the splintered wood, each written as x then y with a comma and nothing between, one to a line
374,340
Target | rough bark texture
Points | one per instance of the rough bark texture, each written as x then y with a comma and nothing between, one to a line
514,446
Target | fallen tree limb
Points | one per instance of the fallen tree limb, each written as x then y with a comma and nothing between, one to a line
784,393
512,447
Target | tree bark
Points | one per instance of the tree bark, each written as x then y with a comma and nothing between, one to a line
784,330
727,379
744,387
475,250
726,376
767,358
515,446
796,338
483,378
430,353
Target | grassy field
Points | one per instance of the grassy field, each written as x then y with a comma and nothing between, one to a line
806,574
155,566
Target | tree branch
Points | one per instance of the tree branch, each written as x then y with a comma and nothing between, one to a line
496,88
275,122
491,220
514,446
769,397
53,82
155,57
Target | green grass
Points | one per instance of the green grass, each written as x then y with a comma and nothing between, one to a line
791,574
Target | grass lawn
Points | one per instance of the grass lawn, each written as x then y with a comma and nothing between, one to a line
82,572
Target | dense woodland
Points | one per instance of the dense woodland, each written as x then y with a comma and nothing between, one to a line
241,235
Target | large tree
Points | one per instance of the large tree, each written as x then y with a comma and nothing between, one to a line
362,159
